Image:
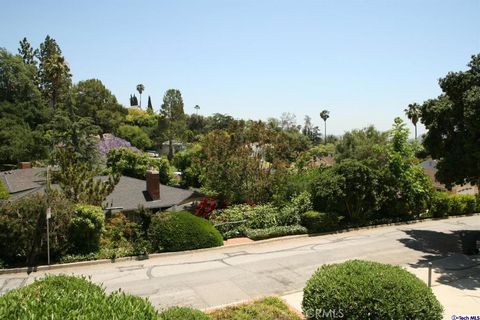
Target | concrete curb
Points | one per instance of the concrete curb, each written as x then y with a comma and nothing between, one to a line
170,254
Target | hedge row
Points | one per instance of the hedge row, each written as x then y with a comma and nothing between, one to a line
278,231
444,204
4,194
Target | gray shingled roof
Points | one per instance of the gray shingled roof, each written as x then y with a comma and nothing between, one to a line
129,193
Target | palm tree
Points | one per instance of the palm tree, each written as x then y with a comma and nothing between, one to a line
325,114
197,107
413,113
140,88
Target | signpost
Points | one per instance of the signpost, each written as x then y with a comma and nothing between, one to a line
49,215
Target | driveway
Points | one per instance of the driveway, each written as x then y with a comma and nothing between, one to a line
232,274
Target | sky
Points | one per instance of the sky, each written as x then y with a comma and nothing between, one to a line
364,61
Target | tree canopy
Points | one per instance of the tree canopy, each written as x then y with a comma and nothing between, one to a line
453,123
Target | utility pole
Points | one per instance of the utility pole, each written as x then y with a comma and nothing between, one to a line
48,214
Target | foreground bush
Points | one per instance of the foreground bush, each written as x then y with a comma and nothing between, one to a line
317,222
65,297
260,234
176,231
182,313
269,308
368,290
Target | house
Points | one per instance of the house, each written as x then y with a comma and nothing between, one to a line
177,146
429,166
128,195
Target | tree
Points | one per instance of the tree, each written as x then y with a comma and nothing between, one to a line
140,89
197,107
174,117
406,189
149,106
22,111
453,124
349,188
135,135
94,100
288,121
413,113
27,53
311,132
53,72
367,145
325,114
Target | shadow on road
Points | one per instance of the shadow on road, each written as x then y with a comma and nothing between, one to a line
446,253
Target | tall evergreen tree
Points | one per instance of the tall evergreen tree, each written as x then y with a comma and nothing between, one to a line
27,52
174,116
53,72
150,107
325,114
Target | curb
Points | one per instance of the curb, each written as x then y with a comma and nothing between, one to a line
259,242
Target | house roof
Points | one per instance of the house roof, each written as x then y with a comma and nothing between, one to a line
129,193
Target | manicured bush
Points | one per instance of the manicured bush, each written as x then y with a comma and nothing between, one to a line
67,298
4,194
86,228
182,313
233,221
269,308
444,204
278,231
291,214
317,222
135,164
176,231
368,290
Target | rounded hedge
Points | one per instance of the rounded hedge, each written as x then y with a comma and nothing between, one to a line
183,313
368,290
177,231
66,297
317,222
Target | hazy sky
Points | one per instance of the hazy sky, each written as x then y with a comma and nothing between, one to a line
365,61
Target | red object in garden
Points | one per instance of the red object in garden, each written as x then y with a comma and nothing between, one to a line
205,207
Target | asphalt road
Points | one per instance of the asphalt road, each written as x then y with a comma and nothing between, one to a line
231,274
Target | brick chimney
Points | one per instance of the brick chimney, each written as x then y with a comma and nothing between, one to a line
24,165
153,184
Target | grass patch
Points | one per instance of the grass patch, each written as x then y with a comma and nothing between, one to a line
269,308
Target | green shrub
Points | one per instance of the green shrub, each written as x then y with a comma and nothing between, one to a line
368,290
86,228
4,194
233,221
269,308
278,231
22,229
67,298
291,213
176,231
317,222
182,313
440,205
134,164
